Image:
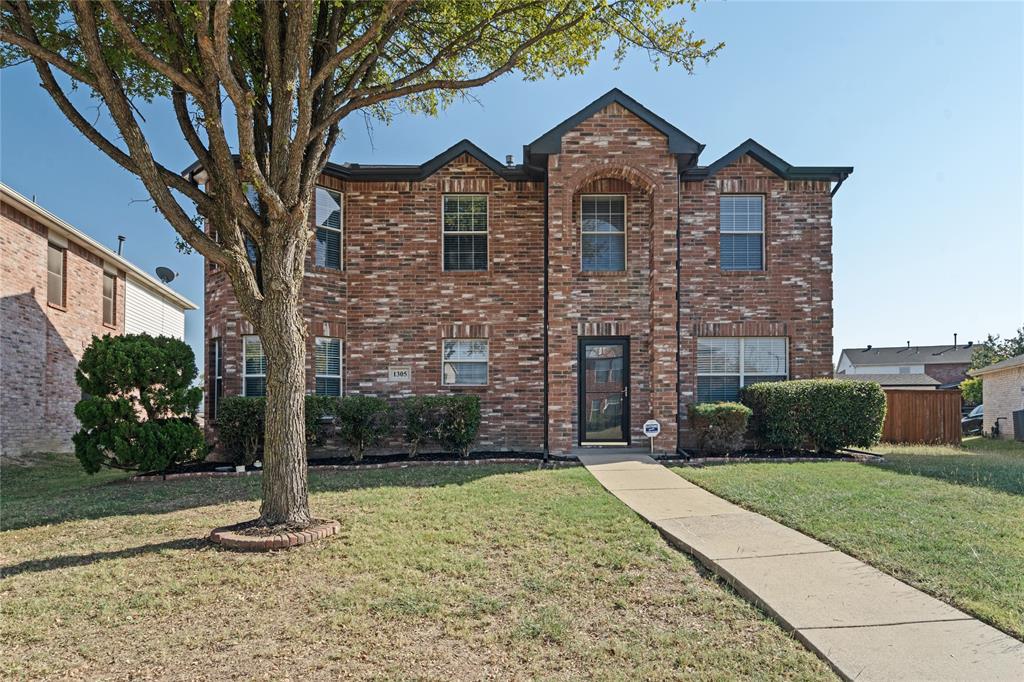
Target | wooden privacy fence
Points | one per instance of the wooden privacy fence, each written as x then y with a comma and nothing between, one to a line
922,416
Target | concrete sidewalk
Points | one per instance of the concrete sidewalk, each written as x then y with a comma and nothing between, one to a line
866,624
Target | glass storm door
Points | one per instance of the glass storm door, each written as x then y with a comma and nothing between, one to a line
604,391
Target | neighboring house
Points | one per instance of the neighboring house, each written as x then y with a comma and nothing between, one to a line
609,248
60,288
1002,389
909,382
947,364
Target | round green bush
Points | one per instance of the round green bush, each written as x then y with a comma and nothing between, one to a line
719,427
138,410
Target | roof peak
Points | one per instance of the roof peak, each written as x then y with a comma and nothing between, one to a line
679,143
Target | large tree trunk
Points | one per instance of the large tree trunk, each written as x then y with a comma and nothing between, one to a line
282,330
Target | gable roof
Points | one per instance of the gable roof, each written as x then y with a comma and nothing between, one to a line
1009,363
915,355
679,143
65,229
356,171
891,380
773,162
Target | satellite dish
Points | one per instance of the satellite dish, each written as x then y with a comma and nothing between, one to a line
166,275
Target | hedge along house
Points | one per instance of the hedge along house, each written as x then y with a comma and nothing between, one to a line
606,280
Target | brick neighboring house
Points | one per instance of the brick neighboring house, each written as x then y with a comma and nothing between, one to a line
59,288
609,245
947,365
1002,390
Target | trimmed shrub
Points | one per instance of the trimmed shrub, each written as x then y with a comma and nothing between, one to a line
823,414
362,422
240,424
138,410
319,417
459,422
240,427
720,427
421,416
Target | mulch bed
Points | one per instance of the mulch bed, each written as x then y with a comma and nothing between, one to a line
399,461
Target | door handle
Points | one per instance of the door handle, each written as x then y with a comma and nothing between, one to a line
625,391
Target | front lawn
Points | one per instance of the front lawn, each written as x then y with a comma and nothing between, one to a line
495,572
948,521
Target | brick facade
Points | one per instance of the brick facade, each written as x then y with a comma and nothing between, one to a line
43,343
947,372
393,303
1002,394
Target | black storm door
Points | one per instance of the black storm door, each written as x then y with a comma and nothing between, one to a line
604,391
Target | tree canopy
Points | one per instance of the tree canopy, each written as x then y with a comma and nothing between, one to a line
996,349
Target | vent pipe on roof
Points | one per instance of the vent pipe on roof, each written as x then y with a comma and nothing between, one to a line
508,161
120,245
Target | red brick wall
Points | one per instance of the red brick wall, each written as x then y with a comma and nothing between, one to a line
41,344
947,372
792,297
614,151
393,303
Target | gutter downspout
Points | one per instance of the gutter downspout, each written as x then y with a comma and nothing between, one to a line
839,184
679,300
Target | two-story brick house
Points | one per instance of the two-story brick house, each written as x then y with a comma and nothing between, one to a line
606,280
58,289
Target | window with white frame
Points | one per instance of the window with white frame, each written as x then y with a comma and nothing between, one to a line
727,364
216,359
56,263
465,231
328,366
109,299
603,238
254,367
328,228
464,362
741,228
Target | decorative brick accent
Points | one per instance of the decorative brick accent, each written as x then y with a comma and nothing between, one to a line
227,537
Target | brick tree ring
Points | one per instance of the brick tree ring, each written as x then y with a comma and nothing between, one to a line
241,536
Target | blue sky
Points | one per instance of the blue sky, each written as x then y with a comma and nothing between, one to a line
925,100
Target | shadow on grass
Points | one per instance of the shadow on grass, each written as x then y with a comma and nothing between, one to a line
75,560
1000,473
80,498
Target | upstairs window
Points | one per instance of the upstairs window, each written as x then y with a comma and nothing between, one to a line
603,218
328,229
328,366
254,367
465,232
725,365
109,299
464,362
741,227
56,262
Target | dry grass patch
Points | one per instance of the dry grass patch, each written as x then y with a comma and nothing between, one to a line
453,573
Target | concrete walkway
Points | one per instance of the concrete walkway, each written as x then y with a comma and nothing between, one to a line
866,624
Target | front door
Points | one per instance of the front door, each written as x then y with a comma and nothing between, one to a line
604,391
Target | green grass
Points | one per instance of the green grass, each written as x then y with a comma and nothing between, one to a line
949,521
440,573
